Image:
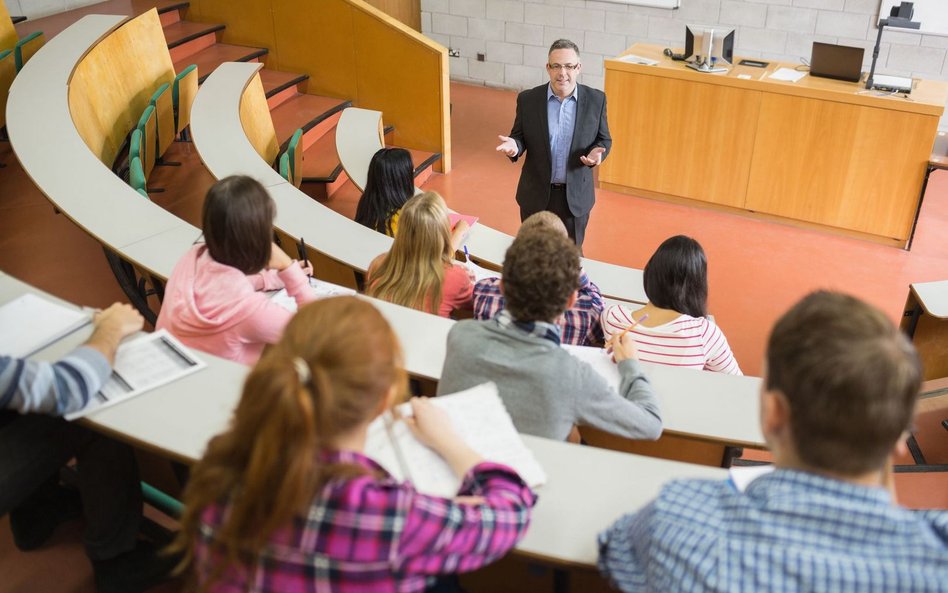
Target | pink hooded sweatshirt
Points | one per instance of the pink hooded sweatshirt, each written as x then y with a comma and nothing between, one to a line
218,309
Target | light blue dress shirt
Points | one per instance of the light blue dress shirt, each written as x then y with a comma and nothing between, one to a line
561,119
789,532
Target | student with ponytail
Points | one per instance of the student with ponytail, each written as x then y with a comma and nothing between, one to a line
285,499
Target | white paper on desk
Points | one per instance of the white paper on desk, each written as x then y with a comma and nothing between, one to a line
599,360
742,476
323,290
634,59
142,364
30,322
480,419
787,74
481,273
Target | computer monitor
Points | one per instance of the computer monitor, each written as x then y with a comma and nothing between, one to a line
706,48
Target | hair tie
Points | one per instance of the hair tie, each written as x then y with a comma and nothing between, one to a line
302,370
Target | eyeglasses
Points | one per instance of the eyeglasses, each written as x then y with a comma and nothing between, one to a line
567,67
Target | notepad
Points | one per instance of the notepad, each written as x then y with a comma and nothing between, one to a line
30,322
454,218
480,419
634,59
323,290
142,364
481,273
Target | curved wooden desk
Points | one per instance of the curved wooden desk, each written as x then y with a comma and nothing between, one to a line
58,161
925,320
587,488
702,406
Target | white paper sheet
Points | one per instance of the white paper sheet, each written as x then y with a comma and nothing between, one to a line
742,476
787,74
481,420
323,290
30,322
599,360
634,59
142,364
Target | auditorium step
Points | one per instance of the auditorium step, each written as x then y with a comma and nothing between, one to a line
211,57
186,38
314,114
279,86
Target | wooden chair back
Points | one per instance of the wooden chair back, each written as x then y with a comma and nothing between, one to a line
183,92
164,118
148,124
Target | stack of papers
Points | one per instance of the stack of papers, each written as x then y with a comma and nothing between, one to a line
30,323
634,59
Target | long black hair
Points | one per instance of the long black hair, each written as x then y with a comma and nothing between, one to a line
676,277
390,183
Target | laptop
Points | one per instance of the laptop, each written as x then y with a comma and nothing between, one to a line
840,62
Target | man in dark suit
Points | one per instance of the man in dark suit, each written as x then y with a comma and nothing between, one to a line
563,129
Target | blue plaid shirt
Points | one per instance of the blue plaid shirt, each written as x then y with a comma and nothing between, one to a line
790,531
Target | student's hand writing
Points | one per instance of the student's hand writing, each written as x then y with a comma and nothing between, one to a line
430,424
307,268
508,146
459,234
279,260
622,347
594,157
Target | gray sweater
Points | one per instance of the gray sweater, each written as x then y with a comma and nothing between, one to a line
545,389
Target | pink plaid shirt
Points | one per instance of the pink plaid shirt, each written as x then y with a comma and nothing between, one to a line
371,533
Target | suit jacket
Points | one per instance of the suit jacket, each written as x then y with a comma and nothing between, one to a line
531,133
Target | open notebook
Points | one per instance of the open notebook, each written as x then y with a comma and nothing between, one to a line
599,360
323,290
29,323
481,420
142,364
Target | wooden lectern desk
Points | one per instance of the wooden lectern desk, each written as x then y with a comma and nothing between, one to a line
816,152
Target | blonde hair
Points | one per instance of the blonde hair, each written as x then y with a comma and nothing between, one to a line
331,371
542,220
412,272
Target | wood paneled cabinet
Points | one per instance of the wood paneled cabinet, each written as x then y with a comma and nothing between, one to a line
817,152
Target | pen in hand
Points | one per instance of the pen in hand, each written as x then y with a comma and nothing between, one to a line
301,248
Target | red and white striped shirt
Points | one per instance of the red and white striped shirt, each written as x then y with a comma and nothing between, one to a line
688,342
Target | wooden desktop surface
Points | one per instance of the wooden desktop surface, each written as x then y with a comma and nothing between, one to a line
817,152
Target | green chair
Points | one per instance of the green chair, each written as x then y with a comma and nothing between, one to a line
135,145
136,176
295,151
26,47
285,169
147,124
183,92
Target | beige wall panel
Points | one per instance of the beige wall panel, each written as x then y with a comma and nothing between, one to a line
256,121
113,83
848,166
318,42
406,11
682,138
395,77
249,22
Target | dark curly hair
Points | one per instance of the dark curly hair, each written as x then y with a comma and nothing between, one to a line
541,271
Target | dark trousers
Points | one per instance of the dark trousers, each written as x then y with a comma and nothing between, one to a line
575,225
34,447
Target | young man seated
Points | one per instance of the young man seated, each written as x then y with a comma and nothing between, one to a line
838,394
579,324
545,389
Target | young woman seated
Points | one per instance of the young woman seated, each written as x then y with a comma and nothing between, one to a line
213,299
286,500
390,183
419,271
673,328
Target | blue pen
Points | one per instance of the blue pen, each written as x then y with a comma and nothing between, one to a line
467,255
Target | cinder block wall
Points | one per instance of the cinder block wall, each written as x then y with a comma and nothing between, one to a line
35,9
514,35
